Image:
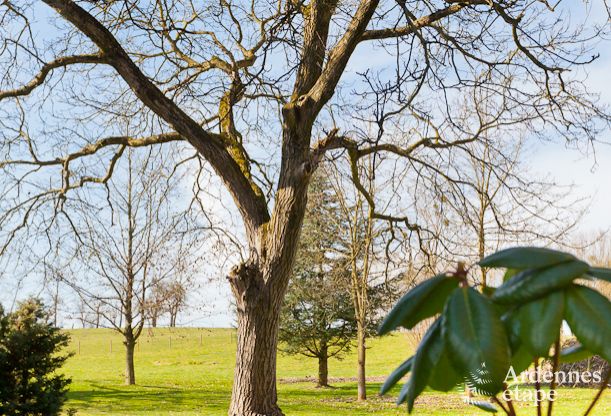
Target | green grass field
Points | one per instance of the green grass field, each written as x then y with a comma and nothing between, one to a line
176,375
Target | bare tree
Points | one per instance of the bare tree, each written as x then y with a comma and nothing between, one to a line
122,254
155,304
176,300
360,245
167,297
504,203
227,79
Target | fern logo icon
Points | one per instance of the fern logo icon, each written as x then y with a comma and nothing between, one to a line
477,383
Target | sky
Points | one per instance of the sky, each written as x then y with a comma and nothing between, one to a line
590,173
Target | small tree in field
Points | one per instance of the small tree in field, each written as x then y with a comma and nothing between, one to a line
318,319
29,358
480,338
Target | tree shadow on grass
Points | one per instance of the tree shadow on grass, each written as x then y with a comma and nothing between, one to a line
115,399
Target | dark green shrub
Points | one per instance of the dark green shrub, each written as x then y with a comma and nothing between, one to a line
29,359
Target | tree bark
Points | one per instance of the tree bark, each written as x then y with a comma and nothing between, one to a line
130,373
254,385
323,367
361,376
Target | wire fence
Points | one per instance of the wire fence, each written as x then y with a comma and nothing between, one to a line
155,340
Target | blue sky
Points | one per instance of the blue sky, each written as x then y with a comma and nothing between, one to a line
589,172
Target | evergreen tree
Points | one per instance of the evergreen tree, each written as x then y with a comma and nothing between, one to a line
318,318
29,359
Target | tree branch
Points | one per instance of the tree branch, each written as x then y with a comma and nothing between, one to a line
60,62
416,24
252,206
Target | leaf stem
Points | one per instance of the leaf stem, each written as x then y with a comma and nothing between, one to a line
511,408
501,405
538,388
552,385
603,386
512,411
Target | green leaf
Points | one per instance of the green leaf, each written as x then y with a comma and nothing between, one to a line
444,377
511,320
488,407
540,322
525,258
476,339
532,284
425,300
426,358
396,375
574,353
588,313
600,273
488,291
509,273
521,358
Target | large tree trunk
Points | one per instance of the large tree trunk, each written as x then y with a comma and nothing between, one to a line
130,373
323,367
361,376
259,284
254,385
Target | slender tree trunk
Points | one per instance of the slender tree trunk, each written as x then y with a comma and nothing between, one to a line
130,373
254,385
482,245
361,376
154,321
323,367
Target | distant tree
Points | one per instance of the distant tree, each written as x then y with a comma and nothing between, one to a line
166,298
154,305
318,318
30,355
55,300
176,300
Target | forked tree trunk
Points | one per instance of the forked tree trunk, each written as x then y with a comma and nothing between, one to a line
361,376
259,284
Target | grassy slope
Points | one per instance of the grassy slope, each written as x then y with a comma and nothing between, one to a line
188,379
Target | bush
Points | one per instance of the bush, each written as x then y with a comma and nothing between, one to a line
29,358
479,337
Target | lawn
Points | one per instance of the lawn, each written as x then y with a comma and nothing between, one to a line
188,372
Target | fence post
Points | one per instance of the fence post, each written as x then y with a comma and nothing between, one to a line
170,342
79,347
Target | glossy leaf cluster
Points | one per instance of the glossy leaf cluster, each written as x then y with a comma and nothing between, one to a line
477,337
